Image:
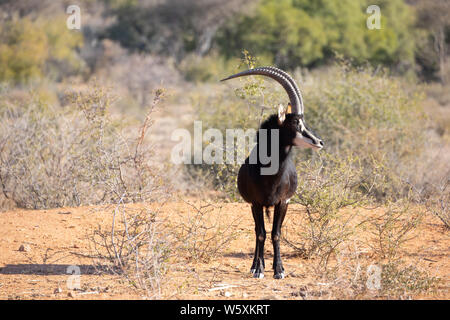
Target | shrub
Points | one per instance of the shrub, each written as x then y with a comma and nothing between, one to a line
327,185
73,156
136,247
208,68
393,227
372,115
30,49
201,235
397,279
436,198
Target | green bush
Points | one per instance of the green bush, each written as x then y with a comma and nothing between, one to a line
295,33
29,49
373,116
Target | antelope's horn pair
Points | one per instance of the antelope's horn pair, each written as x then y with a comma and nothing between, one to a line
288,83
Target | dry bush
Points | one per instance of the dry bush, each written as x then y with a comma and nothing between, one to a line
40,161
327,185
392,280
138,75
439,92
208,68
372,115
136,247
398,279
393,227
203,234
73,156
435,197
142,243
438,204
80,155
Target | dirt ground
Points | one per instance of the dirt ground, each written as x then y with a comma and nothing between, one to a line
38,248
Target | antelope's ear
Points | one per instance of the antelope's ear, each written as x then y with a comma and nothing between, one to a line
281,114
289,108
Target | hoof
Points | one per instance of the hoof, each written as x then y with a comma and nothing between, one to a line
258,275
252,271
278,275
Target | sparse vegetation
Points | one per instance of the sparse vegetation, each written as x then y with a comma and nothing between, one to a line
393,227
326,187
76,156
202,236
136,247
81,123
397,279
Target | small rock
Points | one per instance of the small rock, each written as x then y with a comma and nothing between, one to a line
244,295
57,290
227,294
71,294
24,247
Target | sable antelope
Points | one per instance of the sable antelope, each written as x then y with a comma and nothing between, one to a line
266,190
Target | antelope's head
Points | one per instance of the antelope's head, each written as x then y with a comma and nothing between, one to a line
291,120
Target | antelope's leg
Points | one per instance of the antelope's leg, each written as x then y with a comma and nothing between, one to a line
258,261
278,218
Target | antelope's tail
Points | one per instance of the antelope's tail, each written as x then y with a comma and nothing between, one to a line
268,213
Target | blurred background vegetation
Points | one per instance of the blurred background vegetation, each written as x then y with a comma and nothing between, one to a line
413,38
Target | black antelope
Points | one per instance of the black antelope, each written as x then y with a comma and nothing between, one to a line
263,189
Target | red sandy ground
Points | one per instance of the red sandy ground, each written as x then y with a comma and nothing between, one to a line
57,239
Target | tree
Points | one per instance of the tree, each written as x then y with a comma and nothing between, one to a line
171,27
23,51
276,31
434,16
28,48
308,32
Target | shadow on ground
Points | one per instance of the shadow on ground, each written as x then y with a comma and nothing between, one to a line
55,269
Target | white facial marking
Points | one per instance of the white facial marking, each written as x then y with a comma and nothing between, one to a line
302,141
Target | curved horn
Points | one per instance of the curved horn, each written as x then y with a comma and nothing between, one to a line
272,72
294,85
